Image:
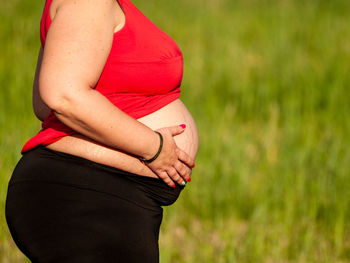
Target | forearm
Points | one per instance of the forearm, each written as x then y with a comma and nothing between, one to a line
93,115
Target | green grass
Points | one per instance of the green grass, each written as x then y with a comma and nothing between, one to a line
267,82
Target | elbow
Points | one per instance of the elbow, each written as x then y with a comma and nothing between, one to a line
41,111
58,99
39,115
58,102
62,95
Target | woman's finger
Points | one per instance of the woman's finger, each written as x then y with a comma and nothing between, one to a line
175,176
165,177
185,158
177,129
183,170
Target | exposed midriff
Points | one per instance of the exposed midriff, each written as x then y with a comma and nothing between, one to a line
174,113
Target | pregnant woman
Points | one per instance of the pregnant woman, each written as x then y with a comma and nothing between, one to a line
116,142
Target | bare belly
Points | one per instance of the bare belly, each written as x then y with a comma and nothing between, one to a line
175,113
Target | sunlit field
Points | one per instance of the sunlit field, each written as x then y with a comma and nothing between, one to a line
268,83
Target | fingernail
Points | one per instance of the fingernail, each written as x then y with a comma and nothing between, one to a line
183,126
193,165
189,179
173,185
183,183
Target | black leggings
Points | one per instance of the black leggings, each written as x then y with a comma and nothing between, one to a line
61,208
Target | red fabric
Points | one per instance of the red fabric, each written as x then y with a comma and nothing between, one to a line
142,74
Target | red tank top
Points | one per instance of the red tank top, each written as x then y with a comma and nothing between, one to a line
142,74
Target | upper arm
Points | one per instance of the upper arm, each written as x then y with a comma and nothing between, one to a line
77,46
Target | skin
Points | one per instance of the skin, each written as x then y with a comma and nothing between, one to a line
68,69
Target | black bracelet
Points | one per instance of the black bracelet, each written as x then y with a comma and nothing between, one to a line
157,154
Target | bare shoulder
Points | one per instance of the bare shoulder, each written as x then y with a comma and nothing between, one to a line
109,10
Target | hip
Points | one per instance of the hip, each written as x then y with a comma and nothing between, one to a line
99,213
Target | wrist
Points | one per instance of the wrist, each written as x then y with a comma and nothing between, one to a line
156,146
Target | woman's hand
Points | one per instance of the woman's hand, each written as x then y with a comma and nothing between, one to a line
172,164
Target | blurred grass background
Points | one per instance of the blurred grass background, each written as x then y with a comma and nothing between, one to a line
267,82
